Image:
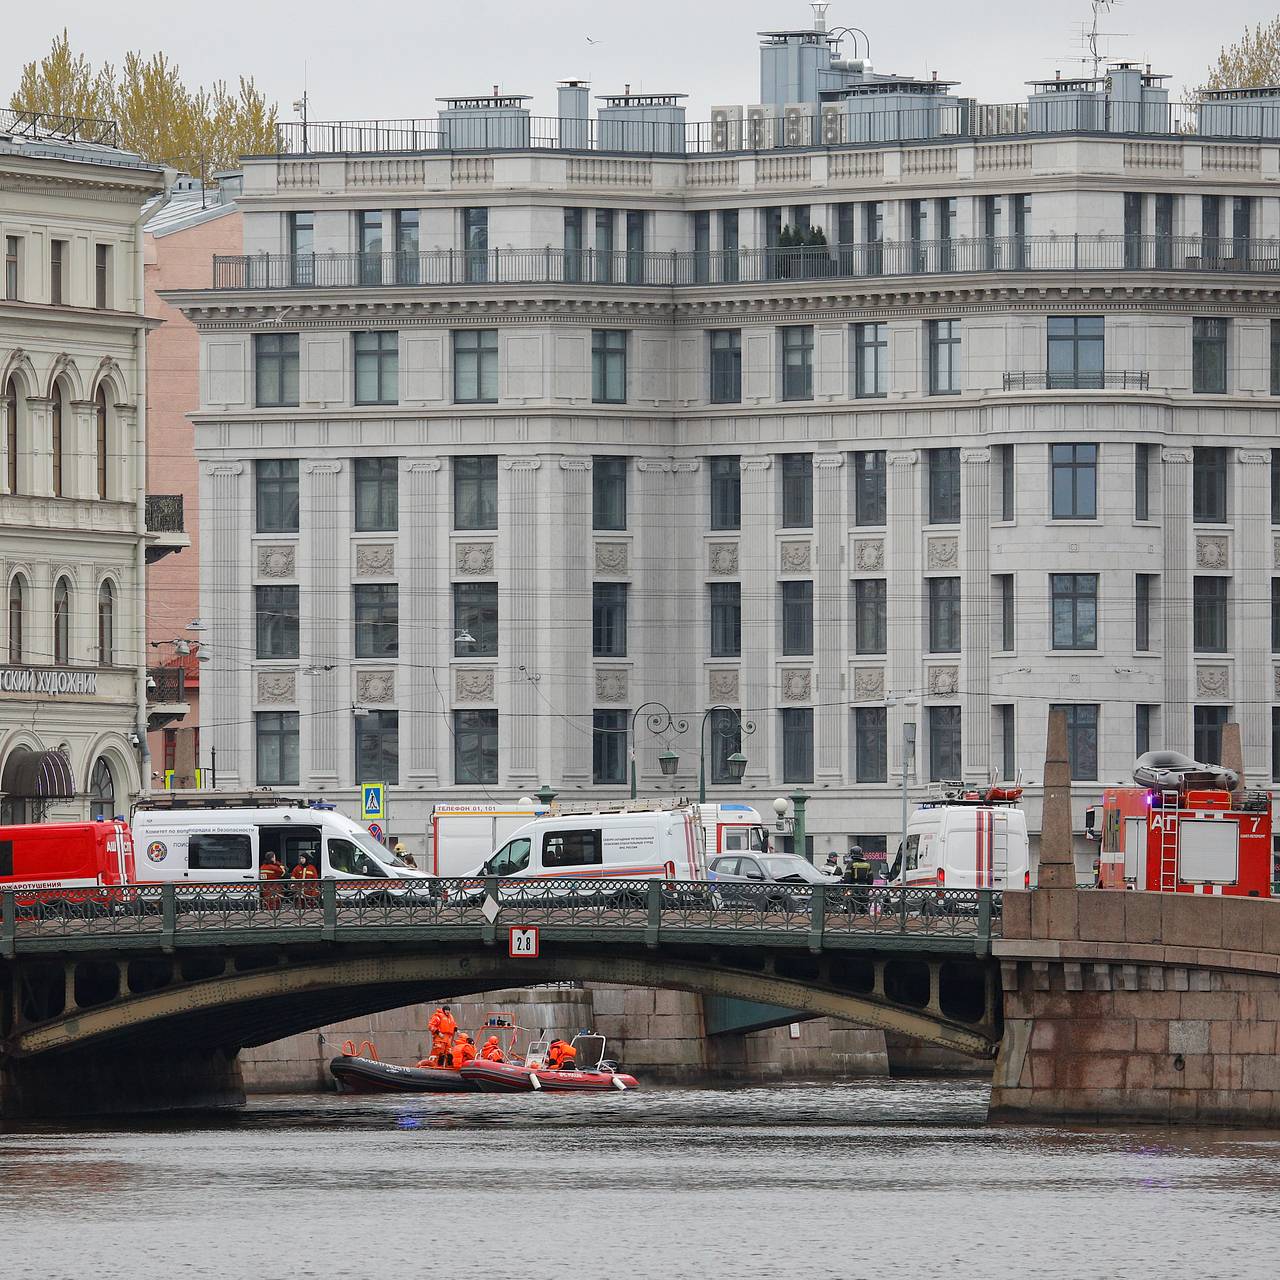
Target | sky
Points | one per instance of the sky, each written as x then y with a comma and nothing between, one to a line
392,59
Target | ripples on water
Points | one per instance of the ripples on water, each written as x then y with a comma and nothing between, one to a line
873,1179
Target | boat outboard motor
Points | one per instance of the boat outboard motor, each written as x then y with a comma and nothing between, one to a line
1172,771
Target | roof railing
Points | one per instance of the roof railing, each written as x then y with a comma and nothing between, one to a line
27,123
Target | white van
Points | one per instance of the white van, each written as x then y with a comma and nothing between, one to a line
463,834
663,844
965,846
227,845
733,828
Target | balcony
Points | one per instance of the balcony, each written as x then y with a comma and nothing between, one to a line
166,696
978,255
165,532
1112,380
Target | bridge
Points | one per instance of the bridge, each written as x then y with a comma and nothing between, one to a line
148,995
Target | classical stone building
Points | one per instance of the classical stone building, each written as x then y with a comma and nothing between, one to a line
75,692
861,405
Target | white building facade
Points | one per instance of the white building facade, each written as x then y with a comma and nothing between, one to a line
74,695
512,429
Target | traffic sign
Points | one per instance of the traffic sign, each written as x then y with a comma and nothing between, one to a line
375,830
373,802
522,944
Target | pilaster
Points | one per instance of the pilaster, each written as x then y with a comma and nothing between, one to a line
756,564
426,626
975,667
519,628
902,559
1175,597
831,609
325,579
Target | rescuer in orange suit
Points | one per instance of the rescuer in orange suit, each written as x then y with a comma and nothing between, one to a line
561,1056
442,1026
272,869
463,1051
492,1051
306,874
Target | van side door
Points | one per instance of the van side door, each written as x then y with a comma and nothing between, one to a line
568,852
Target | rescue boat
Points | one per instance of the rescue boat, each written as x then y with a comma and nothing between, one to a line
363,1071
592,1075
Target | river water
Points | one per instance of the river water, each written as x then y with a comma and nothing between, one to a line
873,1179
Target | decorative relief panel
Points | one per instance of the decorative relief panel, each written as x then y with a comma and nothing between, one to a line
611,557
944,682
473,684
611,685
375,560
942,553
1213,551
796,557
868,684
1277,682
375,686
723,557
277,562
1213,682
473,559
722,686
277,688
1275,552
797,684
868,555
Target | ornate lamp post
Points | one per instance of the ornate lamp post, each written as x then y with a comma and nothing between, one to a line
726,723
659,721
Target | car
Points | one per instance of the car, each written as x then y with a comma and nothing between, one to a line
764,880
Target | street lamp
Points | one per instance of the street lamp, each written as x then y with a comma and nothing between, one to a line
659,720
727,723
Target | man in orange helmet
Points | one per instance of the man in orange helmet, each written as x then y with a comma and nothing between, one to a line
442,1026
463,1051
492,1051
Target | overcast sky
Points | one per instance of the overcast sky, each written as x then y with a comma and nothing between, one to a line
395,57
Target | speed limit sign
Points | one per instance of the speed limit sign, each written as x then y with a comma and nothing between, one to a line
522,944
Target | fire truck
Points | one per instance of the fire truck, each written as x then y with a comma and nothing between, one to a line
1185,827
66,862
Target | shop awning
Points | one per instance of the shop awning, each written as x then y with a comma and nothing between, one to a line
41,775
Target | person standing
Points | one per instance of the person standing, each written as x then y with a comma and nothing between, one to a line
442,1026
404,855
271,873
306,877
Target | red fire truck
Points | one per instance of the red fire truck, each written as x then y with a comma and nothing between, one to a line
61,862
1185,828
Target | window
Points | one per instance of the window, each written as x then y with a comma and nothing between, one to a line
1275,744
1144,723
301,229
1275,483
1207,725
1006,743
61,623
797,490
944,615
870,360
944,357
869,615
102,453
1075,610
1074,481
106,625
608,748
219,852
608,493
475,747
1142,593
944,486
797,361
635,246
797,618
725,600
56,440
408,265
102,792
701,229
1005,637
275,370
870,744
12,248
726,366
475,493
573,223
1209,615
1020,207
277,748
378,747
1275,357
580,848
377,363
869,488
1209,355
609,366
945,755
11,438
1142,482
605,270
726,493
377,495
475,366
102,276
729,245
1082,739
1209,486
276,614
797,744
1132,229
475,614
1005,461
724,735
17,619
369,245
377,619
1163,247
57,264
609,619
1076,352
1275,615
276,495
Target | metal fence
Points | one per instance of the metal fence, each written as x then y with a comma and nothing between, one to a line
816,916
457,268
165,685
164,513
1047,380
46,124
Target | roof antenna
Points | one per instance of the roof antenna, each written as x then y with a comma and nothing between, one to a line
820,15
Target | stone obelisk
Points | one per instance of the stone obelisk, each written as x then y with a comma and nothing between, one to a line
1057,861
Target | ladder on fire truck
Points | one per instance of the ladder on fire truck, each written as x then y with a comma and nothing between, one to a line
1170,802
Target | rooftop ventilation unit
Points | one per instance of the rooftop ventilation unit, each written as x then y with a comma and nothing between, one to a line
832,124
485,123
644,122
726,128
797,125
760,128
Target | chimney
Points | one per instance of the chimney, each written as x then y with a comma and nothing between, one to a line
574,110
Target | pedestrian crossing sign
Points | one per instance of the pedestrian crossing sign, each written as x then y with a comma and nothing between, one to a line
373,802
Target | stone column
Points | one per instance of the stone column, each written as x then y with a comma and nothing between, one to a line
426,618
684,517
523,586
35,470
1175,598
902,561
226,609
756,562
570,658
975,559
1057,855
831,610
325,577
1253,560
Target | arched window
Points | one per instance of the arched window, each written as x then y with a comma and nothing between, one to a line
11,435
17,612
100,427
55,438
61,623
106,625
102,791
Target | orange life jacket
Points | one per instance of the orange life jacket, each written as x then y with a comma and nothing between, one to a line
492,1052
271,871
305,872
462,1053
442,1023
561,1055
